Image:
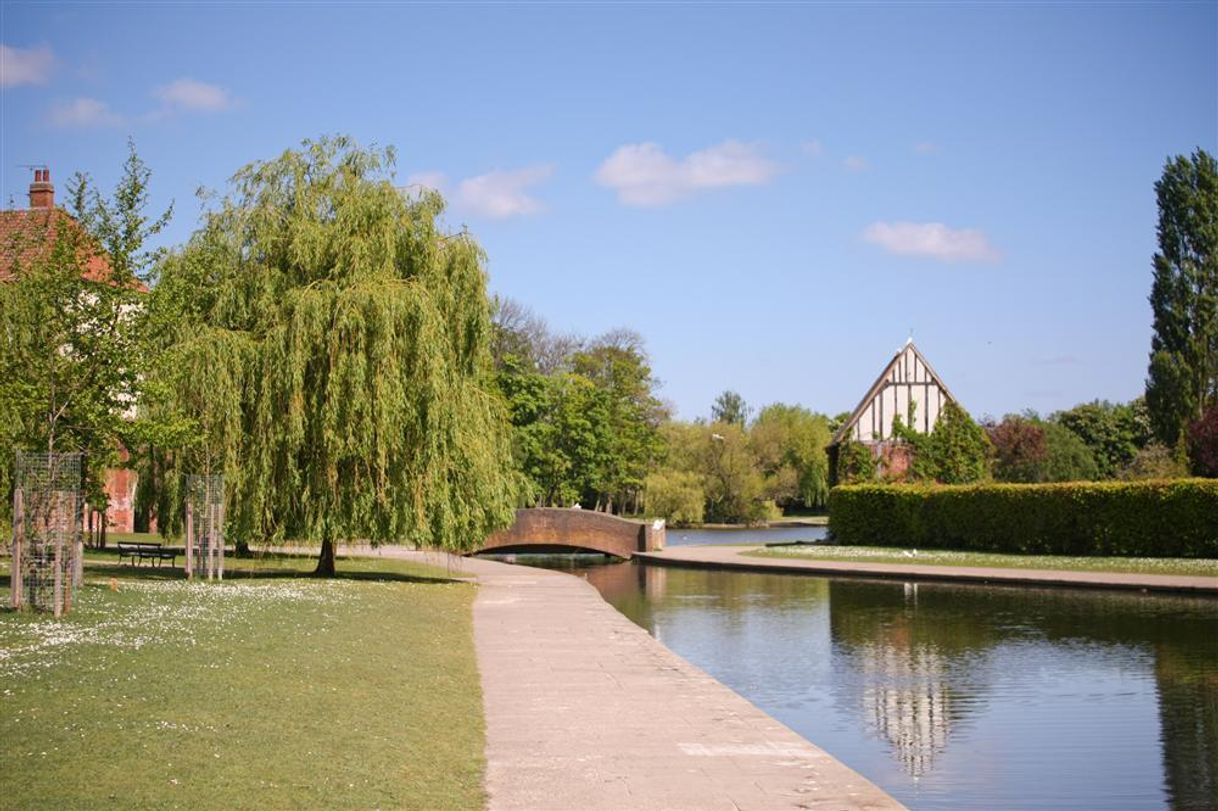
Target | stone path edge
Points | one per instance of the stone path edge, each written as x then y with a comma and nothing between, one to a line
733,558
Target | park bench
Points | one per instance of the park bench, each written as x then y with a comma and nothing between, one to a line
146,551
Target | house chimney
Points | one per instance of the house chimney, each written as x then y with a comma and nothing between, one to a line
42,193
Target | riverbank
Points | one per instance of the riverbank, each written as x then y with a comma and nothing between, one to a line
586,710
737,558
273,689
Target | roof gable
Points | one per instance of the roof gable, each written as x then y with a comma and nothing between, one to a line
907,379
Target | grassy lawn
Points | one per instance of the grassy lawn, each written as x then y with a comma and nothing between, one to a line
935,557
270,690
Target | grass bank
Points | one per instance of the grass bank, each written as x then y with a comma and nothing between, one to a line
1200,567
270,690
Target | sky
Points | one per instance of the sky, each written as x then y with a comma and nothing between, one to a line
774,195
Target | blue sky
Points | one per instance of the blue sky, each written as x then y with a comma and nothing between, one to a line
773,195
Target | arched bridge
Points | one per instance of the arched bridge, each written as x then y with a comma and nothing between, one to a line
553,529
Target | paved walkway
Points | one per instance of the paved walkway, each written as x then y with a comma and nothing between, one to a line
585,710
733,557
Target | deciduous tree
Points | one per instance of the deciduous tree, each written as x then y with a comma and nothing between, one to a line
352,336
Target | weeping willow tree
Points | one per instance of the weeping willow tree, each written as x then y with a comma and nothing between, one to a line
329,345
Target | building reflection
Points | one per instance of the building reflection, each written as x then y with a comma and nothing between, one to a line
902,674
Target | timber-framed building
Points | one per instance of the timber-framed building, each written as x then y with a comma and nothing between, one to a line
908,388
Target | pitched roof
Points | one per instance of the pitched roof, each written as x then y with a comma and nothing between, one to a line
885,376
26,234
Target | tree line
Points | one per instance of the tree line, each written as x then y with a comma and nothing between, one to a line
325,344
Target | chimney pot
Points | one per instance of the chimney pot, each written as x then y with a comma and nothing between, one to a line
42,193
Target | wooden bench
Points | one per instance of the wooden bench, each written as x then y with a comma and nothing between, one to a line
146,551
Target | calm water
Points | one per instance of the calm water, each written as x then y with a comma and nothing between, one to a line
960,697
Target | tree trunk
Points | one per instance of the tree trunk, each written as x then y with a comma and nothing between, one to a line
325,561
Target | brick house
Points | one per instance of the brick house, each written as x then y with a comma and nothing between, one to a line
23,233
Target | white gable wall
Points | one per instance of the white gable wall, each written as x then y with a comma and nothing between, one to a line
906,381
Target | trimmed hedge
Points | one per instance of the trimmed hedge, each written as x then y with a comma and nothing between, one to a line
1172,518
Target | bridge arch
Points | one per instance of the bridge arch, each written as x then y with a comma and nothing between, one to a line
551,529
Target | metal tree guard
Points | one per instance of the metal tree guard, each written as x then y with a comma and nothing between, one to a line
48,505
205,526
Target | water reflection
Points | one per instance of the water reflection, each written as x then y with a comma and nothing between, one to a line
961,696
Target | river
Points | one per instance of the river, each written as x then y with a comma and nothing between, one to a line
959,696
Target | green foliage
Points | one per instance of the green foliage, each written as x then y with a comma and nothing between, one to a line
1113,432
734,486
720,458
1067,458
676,496
1029,450
331,347
956,451
73,327
789,443
590,433
1183,375
730,407
1156,461
1145,519
855,463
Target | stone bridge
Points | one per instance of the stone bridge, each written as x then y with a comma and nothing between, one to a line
552,529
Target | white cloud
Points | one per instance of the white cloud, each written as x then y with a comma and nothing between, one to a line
856,163
20,66
932,239
193,96
501,194
926,148
428,180
646,175
82,113
813,148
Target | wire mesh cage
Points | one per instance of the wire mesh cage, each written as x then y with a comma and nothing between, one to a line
48,507
205,526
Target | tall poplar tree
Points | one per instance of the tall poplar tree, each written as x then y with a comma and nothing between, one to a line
1183,377
331,346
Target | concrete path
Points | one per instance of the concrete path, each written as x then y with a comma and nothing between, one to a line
733,557
585,711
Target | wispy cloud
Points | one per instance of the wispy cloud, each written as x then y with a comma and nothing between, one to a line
427,180
500,194
20,66
645,175
82,113
926,148
856,163
813,148
933,240
189,95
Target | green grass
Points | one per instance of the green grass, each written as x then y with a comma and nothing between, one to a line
270,690
939,557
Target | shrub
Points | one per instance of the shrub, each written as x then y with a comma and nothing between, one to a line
1155,461
1140,519
1203,443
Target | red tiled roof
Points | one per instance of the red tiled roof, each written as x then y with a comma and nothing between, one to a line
26,233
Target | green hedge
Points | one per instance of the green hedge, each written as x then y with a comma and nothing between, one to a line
1176,518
